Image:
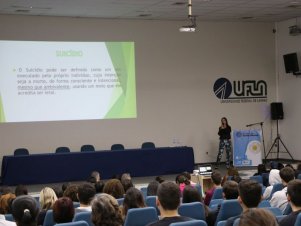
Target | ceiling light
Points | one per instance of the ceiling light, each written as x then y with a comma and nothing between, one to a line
192,26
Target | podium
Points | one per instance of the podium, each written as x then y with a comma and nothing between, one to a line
204,181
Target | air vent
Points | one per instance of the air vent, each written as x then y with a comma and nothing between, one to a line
22,11
247,17
179,3
145,15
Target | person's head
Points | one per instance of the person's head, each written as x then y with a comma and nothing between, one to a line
114,187
224,121
99,186
94,177
25,210
152,188
261,169
5,202
168,196
85,193
280,166
126,181
191,194
291,166
187,175
133,199
230,190
21,190
159,179
71,192
257,217
63,210
105,211
286,175
236,178
232,171
249,193
5,190
181,179
294,193
216,177
64,186
47,198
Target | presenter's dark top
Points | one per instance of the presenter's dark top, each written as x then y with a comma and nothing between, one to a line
224,133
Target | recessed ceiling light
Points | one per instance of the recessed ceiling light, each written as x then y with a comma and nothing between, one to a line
145,15
22,11
247,17
179,3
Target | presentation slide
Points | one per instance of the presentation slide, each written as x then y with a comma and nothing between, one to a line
53,81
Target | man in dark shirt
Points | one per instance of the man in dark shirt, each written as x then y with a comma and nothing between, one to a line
168,201
294,198
249,197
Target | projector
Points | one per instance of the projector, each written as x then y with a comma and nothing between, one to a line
294,30
187,29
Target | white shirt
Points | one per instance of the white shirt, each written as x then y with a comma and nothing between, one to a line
7,223
279,199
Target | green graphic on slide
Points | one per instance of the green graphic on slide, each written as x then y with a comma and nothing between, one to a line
2,116
123,58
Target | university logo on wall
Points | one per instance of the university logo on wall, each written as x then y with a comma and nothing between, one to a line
240,91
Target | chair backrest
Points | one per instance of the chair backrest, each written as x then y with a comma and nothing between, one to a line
257,178
299,176
116,147
76,204
275,211
87,147
141,216
151,202
144,192
190,223
193,210
146,145
75,223
229,208
264,204
298,220
21,151
265,179
214,203
288,209
120,201
199,188
236,222
276,187
218,193
83,216
9,217
48,220
62,150
221,223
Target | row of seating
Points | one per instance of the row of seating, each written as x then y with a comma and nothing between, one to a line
84,148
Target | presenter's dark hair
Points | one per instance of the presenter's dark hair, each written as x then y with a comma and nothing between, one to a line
224,118
25,210
169,195
250,193
294,192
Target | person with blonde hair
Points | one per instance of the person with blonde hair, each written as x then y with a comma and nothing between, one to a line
257,217
47,199
106,211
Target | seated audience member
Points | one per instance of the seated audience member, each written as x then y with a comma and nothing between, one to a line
249,196
126,181
188,176
25,210
191,194
85,194
94,177
99,186
159,179
168,201
274,178
47,199
279,198
182,181
58,191
236,179
152,188
21,190
260,170
133,199
230,191
298,170
231,172
71,192
5,203
106,211
216,178
114,187
257,217
64,186
5,190
294,198
63,210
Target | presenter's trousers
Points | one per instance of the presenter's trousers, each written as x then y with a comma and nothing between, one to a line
224,144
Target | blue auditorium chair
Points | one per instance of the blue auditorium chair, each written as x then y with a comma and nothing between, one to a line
62,150
298,220
48,220
264,204
214,203
87,148
151,202
193,210
120,201
229,208
21,151
148,145
218,193
257,178
75,223
288,209
116,147
276,187
275,211
9,217
190,223
83,216
144,192
141,216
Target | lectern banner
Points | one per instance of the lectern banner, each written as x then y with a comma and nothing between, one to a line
247,147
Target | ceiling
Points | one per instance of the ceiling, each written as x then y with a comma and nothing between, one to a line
205,10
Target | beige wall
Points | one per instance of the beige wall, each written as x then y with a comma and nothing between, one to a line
175,73
289,89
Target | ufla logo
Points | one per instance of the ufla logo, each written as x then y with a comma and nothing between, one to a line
243,91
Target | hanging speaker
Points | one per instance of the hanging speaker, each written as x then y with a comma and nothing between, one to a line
276,111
